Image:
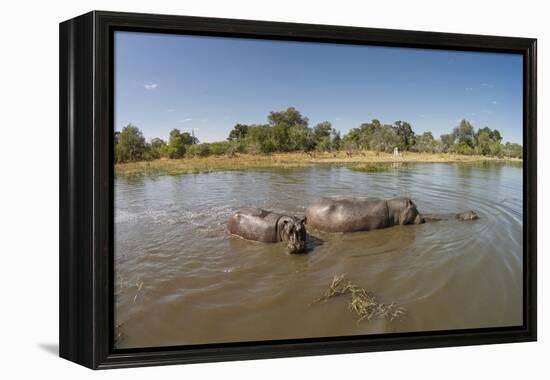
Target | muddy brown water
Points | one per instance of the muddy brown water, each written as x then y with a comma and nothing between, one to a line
180,279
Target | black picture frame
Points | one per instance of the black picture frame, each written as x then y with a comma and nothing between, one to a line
86,189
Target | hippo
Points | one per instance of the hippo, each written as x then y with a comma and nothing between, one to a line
351,214
269,227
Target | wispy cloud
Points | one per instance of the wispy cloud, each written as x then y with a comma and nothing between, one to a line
150,86
469,88
170,110
185,120
204,120
494,102
486,85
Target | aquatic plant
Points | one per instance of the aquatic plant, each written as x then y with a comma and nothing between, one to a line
362,303
371,168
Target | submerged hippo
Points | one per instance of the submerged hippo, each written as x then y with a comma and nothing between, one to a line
365,214
269,227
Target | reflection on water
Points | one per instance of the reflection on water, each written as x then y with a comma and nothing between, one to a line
181,280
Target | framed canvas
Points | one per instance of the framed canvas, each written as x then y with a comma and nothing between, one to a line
234,189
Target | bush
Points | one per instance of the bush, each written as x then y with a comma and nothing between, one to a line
463,148
512,150
219,148
199,150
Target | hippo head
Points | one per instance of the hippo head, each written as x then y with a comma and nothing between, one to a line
468,215
294,232
410,214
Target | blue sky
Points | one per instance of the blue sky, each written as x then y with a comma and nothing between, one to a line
208,84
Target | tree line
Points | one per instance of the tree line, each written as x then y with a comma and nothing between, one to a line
289,131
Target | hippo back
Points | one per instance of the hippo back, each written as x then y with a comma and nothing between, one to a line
254,224
348,214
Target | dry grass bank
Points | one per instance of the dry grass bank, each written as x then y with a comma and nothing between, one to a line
282,160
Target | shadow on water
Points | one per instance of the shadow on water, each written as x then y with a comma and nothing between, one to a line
312,242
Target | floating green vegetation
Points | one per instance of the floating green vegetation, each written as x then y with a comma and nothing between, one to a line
362,303
371,168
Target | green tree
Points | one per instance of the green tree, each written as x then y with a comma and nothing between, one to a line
239,132
447,142
375,136
281,137
512,150
492,133
352,140
281,122
464,133
367,136
425,143
487,142
495,149
260,139
177,143
483,143
156,148
199,150
404,130
384,139
322,134
463,148
302,138
322,130
130,144
336,140
291,116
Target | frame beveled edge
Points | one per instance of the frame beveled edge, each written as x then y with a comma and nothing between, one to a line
76,249
86,190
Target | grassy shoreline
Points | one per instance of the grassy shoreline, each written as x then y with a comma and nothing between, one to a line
210,164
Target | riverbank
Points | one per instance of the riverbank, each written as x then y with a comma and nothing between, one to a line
359,160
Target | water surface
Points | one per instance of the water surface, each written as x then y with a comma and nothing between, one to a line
180,279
